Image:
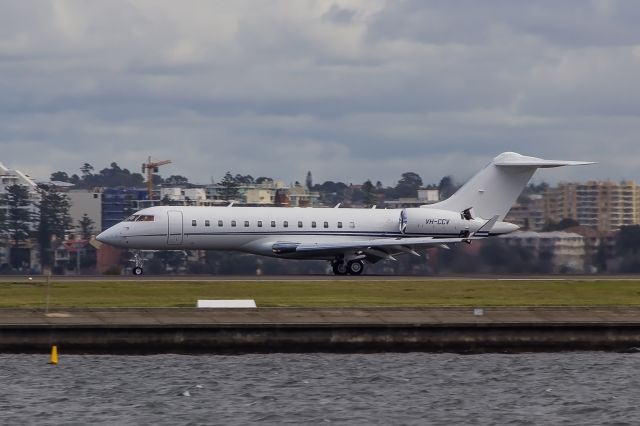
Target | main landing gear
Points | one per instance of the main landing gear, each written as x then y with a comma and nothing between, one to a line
353,267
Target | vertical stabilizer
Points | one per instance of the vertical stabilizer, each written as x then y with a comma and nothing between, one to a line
495,188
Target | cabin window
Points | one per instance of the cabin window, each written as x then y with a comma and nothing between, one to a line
339,224
259,224
246,223
207,223
326,224
352,224
285,223
273,223
220,223
233,223
299,224
313,224
131,218
194,222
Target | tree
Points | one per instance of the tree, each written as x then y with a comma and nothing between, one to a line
229,187
18,217
628,240
446,187
3,221
309,180
59,177
176,180
408,185
264,180
563,224
86,169
244,180
86,226
53,220
369,192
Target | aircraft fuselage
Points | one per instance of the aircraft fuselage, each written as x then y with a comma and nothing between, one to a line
257,229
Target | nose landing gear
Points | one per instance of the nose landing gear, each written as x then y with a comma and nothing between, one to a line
138,260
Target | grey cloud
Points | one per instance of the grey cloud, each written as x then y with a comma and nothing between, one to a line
568,23
347,89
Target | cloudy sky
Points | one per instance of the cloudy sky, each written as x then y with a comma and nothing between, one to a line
350,90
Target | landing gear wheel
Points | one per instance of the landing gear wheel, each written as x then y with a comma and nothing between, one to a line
137,270
355,267
340,268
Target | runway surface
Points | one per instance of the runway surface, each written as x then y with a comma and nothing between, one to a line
313,278
319,316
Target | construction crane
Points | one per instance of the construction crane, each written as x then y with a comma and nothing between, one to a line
151,168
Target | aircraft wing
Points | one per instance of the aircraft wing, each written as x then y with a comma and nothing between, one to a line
383,244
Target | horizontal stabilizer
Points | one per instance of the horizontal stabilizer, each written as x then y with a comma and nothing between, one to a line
511,159
494,189
485,229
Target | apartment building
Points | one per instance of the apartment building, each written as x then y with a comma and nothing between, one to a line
528,215
567,249
604,205
23,255
86,202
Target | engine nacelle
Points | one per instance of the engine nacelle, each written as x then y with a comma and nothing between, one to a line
437,223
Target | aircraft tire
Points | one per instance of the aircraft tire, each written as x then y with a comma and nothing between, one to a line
355,267
137,270
340,268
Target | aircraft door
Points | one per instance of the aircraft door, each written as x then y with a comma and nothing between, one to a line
175,231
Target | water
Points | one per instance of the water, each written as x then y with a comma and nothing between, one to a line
387,389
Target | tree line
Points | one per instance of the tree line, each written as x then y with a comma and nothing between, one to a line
44,221
331,192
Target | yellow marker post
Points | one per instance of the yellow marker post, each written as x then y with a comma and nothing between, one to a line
54,355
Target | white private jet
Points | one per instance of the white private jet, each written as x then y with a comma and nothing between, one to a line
345,237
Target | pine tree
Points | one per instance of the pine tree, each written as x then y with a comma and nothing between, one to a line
309,180
53,220
229,187
369,191
18,217
86,226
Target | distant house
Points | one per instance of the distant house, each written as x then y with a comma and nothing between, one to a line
426,195
74,255
565,249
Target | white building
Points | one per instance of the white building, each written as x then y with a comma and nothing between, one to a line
9,177
86,201
428,195
567,249
197,196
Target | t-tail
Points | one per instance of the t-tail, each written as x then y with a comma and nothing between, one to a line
495,188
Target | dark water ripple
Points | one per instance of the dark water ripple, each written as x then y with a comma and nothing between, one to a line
385,389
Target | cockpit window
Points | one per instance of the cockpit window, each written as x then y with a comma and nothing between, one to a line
140,218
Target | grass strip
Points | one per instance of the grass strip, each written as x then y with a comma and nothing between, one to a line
324,293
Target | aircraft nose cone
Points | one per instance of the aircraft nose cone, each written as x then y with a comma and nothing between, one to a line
108,237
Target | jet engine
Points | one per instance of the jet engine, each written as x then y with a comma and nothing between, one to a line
439,223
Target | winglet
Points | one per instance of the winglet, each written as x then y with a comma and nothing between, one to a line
486,228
